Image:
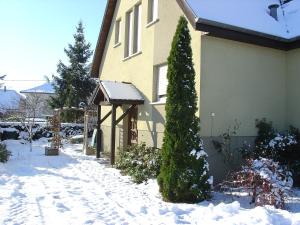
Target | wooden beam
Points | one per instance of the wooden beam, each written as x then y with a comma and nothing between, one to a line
113,135
105,117
125,114
99,133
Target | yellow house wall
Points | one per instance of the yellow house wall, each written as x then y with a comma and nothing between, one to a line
140,69
293,91
241,82
238,81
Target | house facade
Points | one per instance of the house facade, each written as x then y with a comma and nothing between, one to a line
244,71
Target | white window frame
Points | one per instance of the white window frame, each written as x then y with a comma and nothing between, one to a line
162,83
133,31
128,38
118,32
152,11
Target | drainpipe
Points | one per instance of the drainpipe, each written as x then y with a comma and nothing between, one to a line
273,11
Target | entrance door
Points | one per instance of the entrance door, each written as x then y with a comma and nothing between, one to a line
132,127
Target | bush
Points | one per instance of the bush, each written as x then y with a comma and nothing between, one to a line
4,153
281,147
267,182
140,162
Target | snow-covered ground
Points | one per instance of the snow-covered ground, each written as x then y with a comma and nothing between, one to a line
75,189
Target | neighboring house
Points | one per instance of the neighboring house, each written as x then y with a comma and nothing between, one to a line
42,94
246,57
10,102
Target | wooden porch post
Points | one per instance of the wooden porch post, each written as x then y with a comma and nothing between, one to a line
113,135
99,133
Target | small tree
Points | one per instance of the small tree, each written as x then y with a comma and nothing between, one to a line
267,182
73,84
33,105
184,172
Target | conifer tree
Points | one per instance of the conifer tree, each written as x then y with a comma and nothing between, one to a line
184,171
73,84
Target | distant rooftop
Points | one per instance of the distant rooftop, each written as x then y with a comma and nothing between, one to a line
9,100
250,15
46,88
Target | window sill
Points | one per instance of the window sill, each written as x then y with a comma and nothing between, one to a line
158,103
151,23
117,45
131,56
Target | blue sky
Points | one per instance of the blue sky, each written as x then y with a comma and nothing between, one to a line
34,33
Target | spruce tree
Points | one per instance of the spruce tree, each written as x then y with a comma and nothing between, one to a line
184,171
73,84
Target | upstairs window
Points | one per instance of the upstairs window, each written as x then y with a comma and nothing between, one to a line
162,83
128,39
118,32
152,10
133,31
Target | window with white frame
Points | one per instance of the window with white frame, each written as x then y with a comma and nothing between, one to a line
118,32
133,31
152,10
162,83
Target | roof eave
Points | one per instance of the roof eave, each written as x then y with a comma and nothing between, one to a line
104,31
220,30
225,31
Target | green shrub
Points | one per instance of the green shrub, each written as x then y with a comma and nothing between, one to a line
4,153
140,162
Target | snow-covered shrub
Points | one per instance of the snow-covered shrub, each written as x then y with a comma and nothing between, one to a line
140,162
15,130
275,147
9,133
4,153
281,147
267,182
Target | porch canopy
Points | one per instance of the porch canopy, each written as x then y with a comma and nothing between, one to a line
115,94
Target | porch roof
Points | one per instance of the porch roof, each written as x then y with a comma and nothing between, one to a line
116,93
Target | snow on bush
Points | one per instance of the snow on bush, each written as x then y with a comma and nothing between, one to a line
267,181
275,146
17,131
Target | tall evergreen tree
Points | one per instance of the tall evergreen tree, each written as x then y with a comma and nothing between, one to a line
184,171
73,85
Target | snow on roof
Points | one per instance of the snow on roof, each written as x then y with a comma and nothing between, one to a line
46,88
121,91
9,100
253,15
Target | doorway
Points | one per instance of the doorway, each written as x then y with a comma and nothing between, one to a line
132,127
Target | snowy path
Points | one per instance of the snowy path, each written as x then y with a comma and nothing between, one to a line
76,189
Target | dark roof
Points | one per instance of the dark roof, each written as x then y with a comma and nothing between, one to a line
105,27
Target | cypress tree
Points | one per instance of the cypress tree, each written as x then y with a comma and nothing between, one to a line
184,171
73,85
